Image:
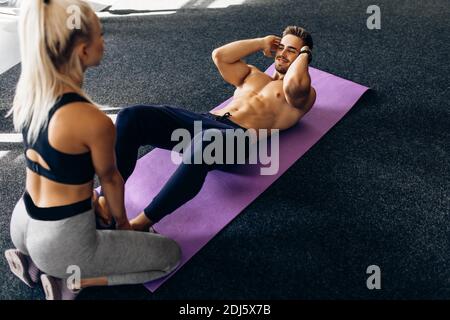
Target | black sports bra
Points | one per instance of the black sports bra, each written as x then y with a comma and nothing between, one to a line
64,168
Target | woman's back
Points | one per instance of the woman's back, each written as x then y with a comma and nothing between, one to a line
60,169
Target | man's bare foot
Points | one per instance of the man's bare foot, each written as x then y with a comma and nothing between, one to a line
101,209
141,223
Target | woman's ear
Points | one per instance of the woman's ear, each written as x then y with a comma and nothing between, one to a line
82,51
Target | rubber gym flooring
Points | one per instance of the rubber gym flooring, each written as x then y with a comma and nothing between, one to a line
373,191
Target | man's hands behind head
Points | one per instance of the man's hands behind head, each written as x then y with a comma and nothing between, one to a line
270,45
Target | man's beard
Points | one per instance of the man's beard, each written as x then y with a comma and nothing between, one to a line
281,69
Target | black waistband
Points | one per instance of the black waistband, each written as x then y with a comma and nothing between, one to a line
225,118
55,213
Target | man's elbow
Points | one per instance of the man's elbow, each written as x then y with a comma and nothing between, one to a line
216,55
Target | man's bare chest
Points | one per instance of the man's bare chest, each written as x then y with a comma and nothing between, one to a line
264,88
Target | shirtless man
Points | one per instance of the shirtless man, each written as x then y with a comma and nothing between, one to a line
260,102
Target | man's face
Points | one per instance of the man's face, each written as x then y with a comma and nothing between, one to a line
287,52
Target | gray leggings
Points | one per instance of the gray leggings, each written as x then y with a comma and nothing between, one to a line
124,257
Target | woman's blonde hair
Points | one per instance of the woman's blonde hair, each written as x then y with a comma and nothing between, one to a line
49,61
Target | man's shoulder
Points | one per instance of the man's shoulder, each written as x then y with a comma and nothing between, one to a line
254,69
256,78
256,72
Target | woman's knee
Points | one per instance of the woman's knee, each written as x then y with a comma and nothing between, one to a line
172,252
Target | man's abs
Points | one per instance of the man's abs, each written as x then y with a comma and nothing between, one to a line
254,112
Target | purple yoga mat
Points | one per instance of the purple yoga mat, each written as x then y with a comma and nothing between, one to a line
225,194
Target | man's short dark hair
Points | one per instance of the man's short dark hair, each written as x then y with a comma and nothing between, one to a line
301,33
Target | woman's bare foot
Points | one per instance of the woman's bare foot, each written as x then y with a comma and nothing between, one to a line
141,223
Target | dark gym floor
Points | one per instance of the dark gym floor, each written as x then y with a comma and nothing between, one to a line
372,191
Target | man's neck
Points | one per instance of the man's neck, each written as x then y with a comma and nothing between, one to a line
277,75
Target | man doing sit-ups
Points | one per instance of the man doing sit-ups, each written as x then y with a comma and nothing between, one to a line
260,102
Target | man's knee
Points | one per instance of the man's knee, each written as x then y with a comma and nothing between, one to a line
148,114
126,118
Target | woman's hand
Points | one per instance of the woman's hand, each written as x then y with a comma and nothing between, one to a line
124,225
101,209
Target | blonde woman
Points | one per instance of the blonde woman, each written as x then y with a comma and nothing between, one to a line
67,141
